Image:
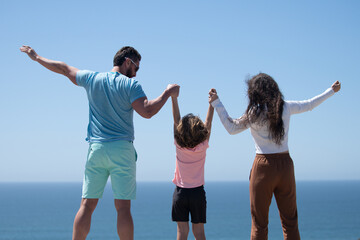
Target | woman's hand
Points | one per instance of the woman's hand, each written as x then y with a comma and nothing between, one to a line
336,86
213,95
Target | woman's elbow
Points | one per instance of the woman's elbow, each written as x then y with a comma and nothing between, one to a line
229,129
231,132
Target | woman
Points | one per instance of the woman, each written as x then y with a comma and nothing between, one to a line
268,117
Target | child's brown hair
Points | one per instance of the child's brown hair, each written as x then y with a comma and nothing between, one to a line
190,132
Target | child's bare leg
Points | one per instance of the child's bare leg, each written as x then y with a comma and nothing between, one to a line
182,230
199,231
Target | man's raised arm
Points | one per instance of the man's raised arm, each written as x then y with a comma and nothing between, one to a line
147,109
55,66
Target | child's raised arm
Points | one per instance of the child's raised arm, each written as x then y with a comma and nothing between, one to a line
209,118
176,112
210,114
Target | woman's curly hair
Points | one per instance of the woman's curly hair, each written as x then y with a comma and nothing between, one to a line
190,131
266,105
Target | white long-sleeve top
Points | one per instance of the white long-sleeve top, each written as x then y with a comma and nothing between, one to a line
260,133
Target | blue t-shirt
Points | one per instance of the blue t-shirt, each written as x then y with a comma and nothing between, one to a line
110,95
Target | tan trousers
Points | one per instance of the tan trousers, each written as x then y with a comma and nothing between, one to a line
273,174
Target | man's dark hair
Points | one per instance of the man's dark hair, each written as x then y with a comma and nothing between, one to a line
126,52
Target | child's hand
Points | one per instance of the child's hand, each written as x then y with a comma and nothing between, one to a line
336,86
213,95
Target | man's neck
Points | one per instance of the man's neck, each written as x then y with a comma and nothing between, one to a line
116,69
122,69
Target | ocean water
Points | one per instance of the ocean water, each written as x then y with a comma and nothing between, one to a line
31,211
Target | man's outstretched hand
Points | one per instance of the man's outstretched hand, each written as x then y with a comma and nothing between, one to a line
173,89
29,51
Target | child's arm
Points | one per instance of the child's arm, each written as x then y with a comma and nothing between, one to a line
176,112
209,118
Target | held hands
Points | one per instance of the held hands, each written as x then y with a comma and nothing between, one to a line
29,51
213,95
173,90
336,86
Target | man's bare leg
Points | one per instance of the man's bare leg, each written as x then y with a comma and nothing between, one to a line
82,220
125,225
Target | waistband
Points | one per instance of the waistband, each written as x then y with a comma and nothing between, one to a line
112,142
194,188
273,155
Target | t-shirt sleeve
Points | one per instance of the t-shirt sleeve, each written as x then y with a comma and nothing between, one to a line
136,91
83,77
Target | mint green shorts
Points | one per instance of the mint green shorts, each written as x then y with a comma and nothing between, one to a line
115,159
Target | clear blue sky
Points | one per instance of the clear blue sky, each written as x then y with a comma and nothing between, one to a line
304,45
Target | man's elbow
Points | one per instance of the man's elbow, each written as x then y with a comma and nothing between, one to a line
147,114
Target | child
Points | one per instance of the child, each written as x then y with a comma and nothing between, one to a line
191,141
268,117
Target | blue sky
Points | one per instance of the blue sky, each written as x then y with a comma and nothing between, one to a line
305,46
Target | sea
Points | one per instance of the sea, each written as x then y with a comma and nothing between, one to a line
45,211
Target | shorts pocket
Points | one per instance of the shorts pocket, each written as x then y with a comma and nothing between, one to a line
136,156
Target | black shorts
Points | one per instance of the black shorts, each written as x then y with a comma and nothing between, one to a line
189,200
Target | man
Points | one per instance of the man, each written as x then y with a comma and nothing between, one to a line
112,98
